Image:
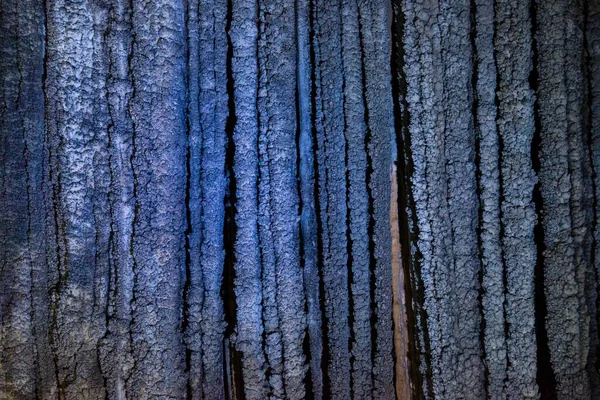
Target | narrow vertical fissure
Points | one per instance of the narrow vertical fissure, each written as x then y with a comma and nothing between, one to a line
481,291
134,269
230,230
546,378
28,189
59,226
371,207
187,281
188,221
54,182
305,178
326,359
269,317
109,128
501,200
227,382
403,172
263,261
258,191
32,277
54,291
315,121
348,233
264,350
307,381
62,270
589,138
349,263
421,350
478,180
112,267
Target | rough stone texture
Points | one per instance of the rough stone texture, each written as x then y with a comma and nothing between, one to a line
26,366
331,195
564,177
515,124
592,57
249,281
272,199
443,189
488,180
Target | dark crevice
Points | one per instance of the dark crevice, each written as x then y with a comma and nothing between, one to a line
348,222
418,290
187,282
398,84
136,211
112,260
188,219
299,93
227,371
55,189
189,228
55,289
259,202
230,229
297,100
409,232
501,201
28,188
477,130
48,148
324,230
307,380
349,263
61,266
546,378
326,356
589,133
298,144
371,227
110,194
308,383
480,273
325,360
268,367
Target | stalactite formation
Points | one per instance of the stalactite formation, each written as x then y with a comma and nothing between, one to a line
276,199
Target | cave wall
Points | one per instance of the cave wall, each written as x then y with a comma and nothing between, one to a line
253,199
